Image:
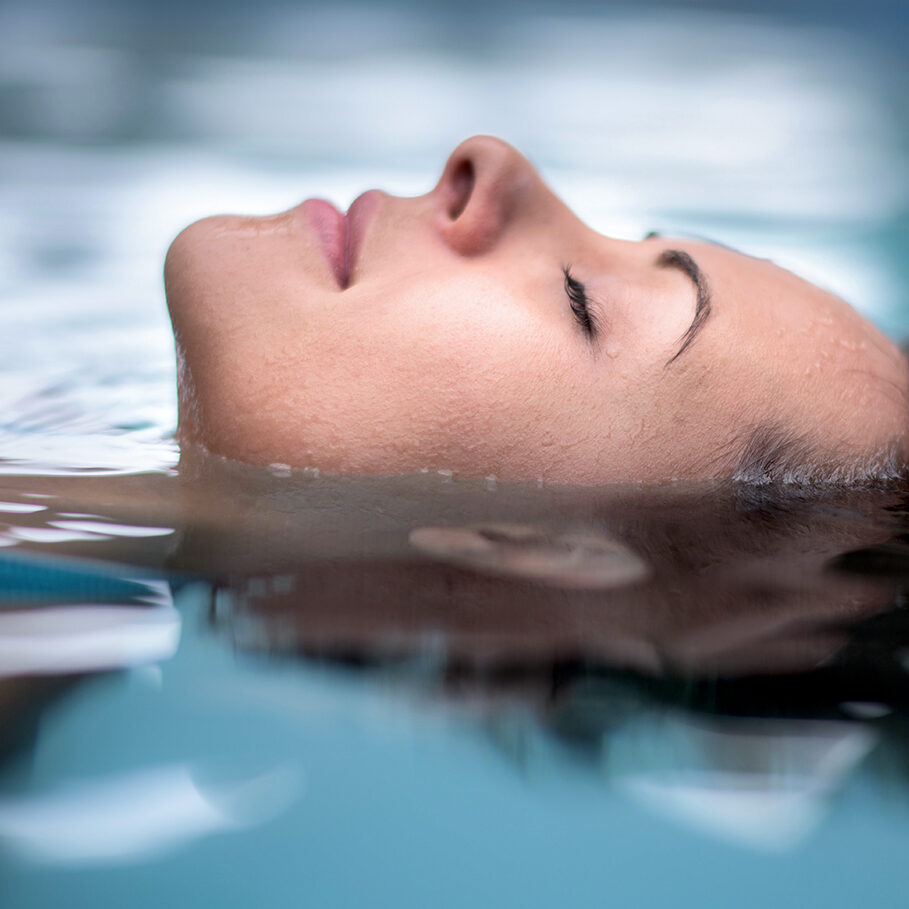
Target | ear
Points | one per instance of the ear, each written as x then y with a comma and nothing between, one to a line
584,560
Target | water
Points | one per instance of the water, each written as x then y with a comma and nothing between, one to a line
260,686
315,702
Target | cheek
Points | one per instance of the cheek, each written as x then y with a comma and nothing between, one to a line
428,380
457,376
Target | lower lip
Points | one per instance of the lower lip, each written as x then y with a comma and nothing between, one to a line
340,236
331,229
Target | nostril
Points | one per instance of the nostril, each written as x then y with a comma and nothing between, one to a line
462,180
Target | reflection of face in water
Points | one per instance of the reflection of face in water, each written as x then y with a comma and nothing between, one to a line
337,569
484,329
655,578
701,600
737,618
667,583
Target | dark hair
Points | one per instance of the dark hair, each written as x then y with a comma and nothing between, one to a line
773,454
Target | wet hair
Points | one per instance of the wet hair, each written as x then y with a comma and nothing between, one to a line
773,454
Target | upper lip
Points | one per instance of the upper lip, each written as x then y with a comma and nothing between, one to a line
357,219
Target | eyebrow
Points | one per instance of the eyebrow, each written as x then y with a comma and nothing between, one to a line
681,261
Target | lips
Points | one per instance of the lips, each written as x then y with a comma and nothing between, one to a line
330,227
340,236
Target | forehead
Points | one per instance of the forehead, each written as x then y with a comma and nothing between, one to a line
760,282
771,308
807,356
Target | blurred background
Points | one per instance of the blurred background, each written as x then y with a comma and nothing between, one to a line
778,127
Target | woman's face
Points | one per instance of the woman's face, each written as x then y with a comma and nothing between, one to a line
440,332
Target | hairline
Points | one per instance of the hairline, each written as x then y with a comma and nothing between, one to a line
775,454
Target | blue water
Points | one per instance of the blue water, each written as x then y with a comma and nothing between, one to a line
196,709
387,797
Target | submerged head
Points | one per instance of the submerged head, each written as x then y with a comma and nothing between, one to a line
483,328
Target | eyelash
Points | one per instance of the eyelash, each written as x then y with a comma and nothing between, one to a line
580,305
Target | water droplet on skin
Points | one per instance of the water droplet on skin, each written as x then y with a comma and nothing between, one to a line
445,474
491,482
312,472
280,470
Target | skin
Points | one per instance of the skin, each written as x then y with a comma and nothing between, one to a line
455,347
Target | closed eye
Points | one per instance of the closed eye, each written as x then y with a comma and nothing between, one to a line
580,305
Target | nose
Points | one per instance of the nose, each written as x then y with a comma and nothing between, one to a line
485,186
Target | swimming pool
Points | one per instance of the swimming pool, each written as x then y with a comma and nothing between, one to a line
261,686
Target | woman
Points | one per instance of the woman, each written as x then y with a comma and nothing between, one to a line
483,329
